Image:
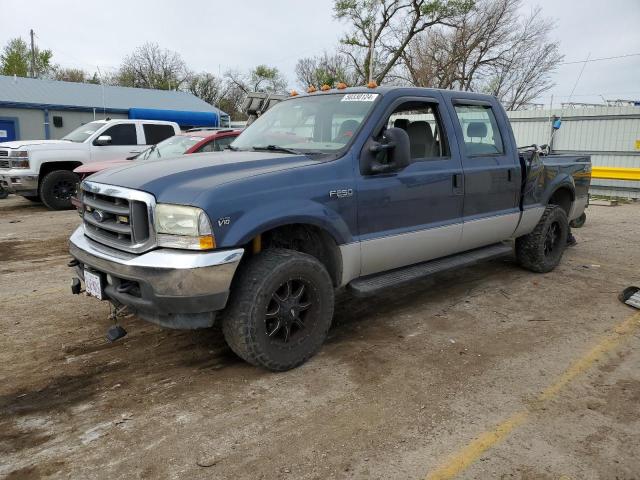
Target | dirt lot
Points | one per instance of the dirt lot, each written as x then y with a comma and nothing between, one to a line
404,385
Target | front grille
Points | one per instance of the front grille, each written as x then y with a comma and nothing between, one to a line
118,217
4,164
4,153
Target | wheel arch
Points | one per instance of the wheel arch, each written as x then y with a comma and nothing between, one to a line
48,167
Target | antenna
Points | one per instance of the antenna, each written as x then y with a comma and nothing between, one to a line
104,103
559,121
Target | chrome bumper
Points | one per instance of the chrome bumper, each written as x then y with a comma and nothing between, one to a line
19,182
175,287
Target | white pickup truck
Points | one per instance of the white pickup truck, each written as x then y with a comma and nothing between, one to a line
42,170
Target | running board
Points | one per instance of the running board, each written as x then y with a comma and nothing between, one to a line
374,283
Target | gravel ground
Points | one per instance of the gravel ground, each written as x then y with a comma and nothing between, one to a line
405,383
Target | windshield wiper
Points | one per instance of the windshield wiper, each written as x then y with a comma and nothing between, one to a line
232,148
277,148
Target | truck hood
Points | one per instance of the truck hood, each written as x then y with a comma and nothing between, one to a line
181,182
43,145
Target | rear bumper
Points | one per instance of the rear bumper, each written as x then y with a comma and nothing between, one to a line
19,182
173,288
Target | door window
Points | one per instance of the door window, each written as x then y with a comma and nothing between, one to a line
123,134
222,143
421,122
156,133
480,130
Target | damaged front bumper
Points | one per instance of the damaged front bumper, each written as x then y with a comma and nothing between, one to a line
172,288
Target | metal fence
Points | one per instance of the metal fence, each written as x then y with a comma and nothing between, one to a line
611,135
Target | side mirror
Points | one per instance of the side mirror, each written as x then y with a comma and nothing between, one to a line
103,140
392,154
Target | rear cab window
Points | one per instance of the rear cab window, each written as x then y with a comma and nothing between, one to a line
154,133
480,130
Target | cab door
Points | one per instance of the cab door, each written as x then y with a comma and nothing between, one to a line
492,174
414,214
124,143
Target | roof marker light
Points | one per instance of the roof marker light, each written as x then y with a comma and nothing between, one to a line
341,86
293,93
311,89
325,87
372,84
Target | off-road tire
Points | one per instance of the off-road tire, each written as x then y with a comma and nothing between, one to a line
245,321
579,222
532,250
57,188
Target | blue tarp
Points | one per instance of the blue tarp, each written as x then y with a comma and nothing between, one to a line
190,119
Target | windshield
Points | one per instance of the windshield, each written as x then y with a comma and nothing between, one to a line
171,147
80,134
319,123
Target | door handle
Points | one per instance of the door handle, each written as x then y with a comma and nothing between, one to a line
457,184
509,174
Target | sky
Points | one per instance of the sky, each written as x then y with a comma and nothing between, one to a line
217,36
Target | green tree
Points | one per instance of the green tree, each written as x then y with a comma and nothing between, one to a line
16,59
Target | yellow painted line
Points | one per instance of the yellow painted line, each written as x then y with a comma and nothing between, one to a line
615,173
466,456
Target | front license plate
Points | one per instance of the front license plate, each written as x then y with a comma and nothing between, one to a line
93,284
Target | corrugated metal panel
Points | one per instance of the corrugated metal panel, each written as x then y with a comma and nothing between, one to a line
51,92
608,134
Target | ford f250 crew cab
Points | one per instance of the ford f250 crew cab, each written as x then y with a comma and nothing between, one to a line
42,170
359,188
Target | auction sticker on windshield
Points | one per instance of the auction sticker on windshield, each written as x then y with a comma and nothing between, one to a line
359,97
93,284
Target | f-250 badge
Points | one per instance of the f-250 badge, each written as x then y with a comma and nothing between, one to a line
341,193
224,221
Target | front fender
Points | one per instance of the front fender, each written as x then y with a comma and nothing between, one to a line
278,213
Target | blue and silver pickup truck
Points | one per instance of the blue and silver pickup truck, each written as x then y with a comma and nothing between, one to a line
359,188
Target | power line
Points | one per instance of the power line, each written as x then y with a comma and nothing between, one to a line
600,59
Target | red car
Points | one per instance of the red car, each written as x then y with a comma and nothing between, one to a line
190,141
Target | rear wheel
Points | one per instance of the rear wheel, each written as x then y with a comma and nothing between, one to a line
541,250
280,310
57,188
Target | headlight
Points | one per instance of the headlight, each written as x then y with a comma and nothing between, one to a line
19,159
178,226
20,163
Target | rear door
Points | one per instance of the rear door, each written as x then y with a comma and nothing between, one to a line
415,214
491,173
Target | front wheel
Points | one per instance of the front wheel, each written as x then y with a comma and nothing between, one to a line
280,309
541,250
57,188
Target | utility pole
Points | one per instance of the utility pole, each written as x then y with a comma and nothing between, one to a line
33,54
372,45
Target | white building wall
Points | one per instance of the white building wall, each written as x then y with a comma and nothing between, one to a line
611,135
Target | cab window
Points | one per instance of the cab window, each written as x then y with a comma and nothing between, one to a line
422,123
480,130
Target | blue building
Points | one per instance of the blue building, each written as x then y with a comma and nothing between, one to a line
34,109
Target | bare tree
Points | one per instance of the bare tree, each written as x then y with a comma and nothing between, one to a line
389,26
150,66
207,87
325,69
490,49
